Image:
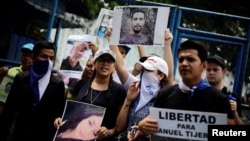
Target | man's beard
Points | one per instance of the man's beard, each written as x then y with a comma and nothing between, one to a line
137,31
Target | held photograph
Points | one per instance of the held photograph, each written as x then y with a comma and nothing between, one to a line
80,122
183,124
139,25
5,87
76,55
103,22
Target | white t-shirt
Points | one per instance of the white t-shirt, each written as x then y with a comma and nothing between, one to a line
116,77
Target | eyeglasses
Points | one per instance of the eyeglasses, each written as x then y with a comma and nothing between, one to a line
102,61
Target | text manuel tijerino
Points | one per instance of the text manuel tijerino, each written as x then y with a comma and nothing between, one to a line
183,124
240,132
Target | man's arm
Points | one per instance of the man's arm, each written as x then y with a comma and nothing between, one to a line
168,56
237,120
141,51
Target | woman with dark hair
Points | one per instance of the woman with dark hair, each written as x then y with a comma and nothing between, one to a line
82,126
103,91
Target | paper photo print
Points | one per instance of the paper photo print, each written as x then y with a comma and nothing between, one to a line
76,55
103,22
139,25
5,87
189,125
80,122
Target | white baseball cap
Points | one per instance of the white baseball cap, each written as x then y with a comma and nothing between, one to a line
104,51
155,63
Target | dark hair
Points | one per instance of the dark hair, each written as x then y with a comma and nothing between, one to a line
42,45
77,118
108,94
190,44
88,88
125,47
164,81
137,10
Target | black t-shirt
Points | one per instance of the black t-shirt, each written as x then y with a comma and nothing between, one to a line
112,99
206,100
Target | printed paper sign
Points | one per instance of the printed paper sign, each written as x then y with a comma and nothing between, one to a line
76,56
103,22
139,25
182,124
5,87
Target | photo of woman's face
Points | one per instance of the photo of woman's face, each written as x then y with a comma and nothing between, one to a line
87,128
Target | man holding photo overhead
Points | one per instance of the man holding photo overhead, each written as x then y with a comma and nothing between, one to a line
135,35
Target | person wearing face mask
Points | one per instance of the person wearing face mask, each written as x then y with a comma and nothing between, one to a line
36,98
155,73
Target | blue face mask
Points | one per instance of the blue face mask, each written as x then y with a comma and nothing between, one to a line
40,67
37,70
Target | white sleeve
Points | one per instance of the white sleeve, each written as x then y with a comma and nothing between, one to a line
130,79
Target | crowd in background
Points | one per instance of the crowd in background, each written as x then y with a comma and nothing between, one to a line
34,107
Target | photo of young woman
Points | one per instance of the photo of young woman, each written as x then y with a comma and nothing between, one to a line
82,125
